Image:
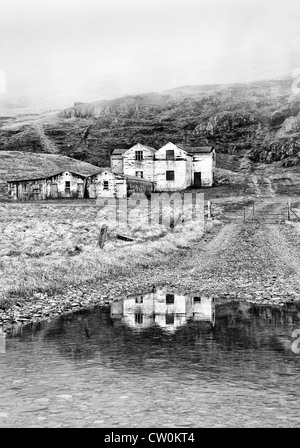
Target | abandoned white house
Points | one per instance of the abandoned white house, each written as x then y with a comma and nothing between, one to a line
67,184
137,169
109,184
167,309
172,167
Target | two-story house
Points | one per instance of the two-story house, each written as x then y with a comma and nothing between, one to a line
171,168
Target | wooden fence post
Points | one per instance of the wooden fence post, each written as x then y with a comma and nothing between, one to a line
289,209
102,236
208,209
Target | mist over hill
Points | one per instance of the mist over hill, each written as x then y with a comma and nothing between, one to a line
260,120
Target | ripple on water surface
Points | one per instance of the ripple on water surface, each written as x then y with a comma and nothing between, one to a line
157,358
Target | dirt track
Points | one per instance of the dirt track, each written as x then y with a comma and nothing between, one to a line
256,261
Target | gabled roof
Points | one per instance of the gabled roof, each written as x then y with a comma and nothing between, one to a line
144,146
100,170
47,175
174,145
37,176
150,148
199,150
121,151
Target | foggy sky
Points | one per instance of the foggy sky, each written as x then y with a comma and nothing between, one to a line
55,52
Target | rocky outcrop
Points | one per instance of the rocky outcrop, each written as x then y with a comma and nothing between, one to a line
285,149
290,127
227,121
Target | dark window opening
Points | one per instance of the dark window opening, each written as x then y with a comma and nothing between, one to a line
170,319
170,154
169,299
139,155
197,299
138,317
67,186
139,174
170,175
105,185
139,299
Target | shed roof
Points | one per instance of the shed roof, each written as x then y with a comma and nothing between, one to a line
139,179
118,151
199,149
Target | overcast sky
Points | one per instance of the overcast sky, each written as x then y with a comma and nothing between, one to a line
55,52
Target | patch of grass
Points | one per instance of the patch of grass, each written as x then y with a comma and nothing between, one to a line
46,247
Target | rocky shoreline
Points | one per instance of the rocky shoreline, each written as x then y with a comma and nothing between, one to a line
45,308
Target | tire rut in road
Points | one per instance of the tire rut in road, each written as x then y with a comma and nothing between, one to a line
286,248
242,261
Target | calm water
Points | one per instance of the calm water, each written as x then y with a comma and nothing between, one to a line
155,359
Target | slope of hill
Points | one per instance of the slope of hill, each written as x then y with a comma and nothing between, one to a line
260,119
15,164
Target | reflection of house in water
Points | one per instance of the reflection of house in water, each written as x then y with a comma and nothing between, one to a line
168,310
2,342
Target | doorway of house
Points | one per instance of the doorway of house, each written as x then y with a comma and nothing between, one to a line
36,193
67,188
21,191
53,191
119,190
197,180
80,190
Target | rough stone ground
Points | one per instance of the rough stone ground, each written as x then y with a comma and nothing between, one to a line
257,262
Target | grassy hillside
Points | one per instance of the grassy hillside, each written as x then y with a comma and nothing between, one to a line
14,164
261,118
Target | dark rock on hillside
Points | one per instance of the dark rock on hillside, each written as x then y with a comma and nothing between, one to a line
259,118
291,109
283,149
